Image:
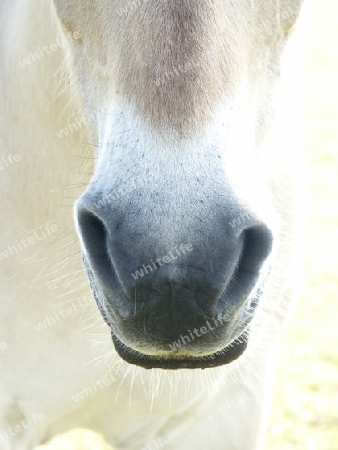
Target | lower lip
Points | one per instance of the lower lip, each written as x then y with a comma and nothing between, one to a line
222,357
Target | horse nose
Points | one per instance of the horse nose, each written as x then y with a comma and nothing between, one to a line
186,276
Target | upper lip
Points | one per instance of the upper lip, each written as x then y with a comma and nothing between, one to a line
187,358
172,360
238,323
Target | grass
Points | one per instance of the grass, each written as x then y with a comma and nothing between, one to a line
305,408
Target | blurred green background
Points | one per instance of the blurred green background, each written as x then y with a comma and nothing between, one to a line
305,408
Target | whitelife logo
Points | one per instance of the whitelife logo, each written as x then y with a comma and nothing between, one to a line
46,50
176,72
37,235
118,194
242,218
87,391
228,408
158,443
199,332
9,160
76,126
73,308
159,262
28,422
130,6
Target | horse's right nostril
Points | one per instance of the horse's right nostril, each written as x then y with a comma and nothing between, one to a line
94,236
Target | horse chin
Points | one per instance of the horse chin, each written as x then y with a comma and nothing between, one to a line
174,361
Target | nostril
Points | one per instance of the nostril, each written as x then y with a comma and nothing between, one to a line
93,234
257,246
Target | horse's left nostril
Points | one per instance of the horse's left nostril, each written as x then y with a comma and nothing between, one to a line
256,248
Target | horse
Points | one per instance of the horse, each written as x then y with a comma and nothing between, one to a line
151,219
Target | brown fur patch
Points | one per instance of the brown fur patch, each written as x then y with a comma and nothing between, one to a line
170,70
174,60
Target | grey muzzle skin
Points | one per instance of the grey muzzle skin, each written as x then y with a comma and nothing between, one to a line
177,286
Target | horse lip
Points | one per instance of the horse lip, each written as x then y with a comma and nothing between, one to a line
172,361
219,358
